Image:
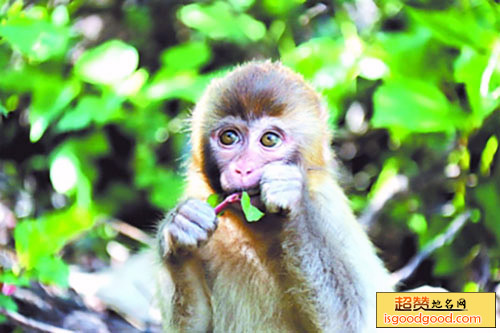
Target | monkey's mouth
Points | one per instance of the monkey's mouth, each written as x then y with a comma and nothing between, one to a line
252,192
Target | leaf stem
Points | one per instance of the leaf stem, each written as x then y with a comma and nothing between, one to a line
235,197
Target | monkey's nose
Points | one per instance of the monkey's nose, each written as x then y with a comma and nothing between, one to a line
243,171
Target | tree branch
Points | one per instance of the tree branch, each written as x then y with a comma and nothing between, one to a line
430,247
31,323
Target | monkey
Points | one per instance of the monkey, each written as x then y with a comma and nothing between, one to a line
307,265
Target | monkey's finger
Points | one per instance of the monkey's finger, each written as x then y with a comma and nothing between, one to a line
204,220
282,172
191,227
182,239
204,209
277,187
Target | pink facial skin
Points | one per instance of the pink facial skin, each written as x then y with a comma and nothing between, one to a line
241,162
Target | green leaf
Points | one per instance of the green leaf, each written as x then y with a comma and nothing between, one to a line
107,63
8,277
52,270
7,303
214,199
167,188
252,213
456,27
89,109
219,21
3,110
60,16
49,100
319,60
36,39
488,196
389,170
46,236
418,223
447,261
281,7
185,85
415,106
186,56
488,154
469,68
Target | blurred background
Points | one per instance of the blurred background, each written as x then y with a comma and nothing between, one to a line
95,97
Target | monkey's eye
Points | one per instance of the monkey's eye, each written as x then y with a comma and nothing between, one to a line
229,137
270,139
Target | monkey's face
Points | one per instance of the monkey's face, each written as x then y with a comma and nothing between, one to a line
241,150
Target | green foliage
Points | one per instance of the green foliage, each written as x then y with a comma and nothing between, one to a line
97,117
218,21
37,35
107,64
213,200
6,303
415,106
39,242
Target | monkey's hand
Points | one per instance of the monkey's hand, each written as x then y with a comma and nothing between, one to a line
281,187
186,228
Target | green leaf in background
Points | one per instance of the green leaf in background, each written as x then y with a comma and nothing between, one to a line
447,262
456,27
388,172
418,224
213,200
319,60
60,16
252,213
132,84
413,54
64,173
164,185
281,7
167,188
186,85
218,21
36,39
186,56
475,71
6,303
488,197
47,235
241,5
52,269
415,106
488,154
107,63
3,110
49,100
72,167
89,109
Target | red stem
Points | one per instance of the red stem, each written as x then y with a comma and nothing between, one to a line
235,197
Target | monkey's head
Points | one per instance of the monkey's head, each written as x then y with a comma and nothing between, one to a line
261,112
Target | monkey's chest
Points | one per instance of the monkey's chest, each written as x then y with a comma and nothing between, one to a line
245,291
247,298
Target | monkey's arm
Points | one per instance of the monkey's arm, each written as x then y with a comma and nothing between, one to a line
330,266
185,299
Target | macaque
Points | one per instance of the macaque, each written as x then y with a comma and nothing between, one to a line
306,266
